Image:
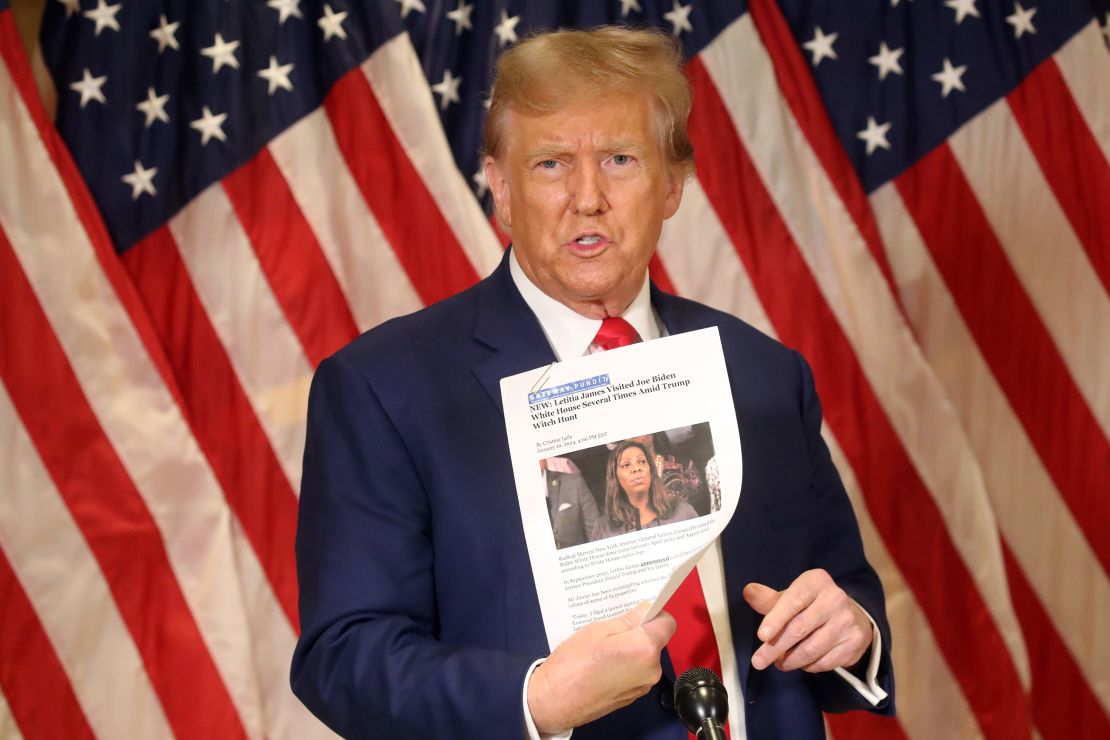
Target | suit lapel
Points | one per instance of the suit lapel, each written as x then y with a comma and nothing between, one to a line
507,326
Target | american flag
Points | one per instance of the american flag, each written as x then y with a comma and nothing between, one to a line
911,192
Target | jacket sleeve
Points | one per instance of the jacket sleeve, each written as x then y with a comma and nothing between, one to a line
587,504
839,550
368,661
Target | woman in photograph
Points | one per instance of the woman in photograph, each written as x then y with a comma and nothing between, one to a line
675,469
634,496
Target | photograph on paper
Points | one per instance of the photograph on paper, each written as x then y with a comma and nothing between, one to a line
646,481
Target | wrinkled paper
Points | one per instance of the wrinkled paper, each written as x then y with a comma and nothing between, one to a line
674,391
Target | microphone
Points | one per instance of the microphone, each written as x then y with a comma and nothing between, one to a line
702,703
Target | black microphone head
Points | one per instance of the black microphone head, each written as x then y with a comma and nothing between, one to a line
699,695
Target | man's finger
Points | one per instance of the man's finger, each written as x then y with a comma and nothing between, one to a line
795,599
775,648
759,597
809,650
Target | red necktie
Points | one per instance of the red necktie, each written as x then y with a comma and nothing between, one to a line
614,332
693,643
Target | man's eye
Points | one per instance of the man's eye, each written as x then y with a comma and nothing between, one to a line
549,164
621,159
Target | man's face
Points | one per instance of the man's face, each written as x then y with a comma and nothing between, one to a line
584,192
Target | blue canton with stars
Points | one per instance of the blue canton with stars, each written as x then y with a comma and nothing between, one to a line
196,68
905,74
158,100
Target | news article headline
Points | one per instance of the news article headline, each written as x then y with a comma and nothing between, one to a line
559,408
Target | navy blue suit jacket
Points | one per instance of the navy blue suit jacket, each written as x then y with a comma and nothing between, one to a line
418,610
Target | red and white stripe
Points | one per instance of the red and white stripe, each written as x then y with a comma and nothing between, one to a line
398,83
958,597
373,282
159,618
153,437
97,656
1037,528
1033,519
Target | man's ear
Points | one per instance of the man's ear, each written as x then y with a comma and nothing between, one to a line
676,181
499,190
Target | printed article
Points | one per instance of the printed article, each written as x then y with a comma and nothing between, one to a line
627,467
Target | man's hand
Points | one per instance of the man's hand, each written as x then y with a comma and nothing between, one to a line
812,625
602,667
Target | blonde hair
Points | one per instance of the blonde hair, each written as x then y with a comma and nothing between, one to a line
546,72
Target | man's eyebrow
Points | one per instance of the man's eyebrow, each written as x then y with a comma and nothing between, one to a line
547,152
614,147
622,145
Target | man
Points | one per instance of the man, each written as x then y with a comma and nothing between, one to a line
570,504
418,608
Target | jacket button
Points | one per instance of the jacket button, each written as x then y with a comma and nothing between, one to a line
666,697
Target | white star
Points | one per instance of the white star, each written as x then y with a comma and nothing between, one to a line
210,126
630,5
448,89
461,16
506,29
89,87
950,78
104,15
164,34
821,46
887,60
277,75
480,181
71,6
679,17
963,9
409,5
286,9
874,135
332,23
221,53
154,107
141,180
1021,20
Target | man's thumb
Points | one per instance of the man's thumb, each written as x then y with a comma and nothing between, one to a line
631,618
760,597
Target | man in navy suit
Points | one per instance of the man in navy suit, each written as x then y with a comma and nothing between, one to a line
571,505
418,608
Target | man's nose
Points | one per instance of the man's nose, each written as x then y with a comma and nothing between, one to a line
587,189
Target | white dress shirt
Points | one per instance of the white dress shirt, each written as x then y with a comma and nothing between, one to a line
570,334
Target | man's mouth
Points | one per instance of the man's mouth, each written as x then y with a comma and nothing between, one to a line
589,244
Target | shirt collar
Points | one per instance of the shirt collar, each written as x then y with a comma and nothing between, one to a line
570,333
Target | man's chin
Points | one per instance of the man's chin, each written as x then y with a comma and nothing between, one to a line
589,288
608,300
